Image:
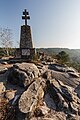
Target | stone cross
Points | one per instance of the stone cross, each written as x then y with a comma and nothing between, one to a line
26,16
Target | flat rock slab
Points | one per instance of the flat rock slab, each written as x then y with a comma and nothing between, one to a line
29,99
63,77
57,67
28,67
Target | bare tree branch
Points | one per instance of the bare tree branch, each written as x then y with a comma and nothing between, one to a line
6,38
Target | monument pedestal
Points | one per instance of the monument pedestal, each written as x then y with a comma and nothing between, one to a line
25,53
26,45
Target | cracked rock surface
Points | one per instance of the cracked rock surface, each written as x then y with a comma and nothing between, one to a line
39,92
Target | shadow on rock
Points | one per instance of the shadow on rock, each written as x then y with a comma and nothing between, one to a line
58,99
54,94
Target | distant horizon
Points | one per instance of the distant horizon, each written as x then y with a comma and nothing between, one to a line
49,47
58,47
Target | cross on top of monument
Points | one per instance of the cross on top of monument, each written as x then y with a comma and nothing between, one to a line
26,16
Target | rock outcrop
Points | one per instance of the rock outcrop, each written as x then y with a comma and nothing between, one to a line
44,92
30,98
22,74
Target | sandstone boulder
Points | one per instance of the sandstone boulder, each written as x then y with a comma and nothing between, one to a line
62,68
17,77
57,67
22,74
29,99
63,77
42,93
28,68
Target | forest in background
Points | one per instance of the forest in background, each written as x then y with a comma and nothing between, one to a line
74,54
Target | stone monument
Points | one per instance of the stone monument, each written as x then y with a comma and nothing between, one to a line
26,50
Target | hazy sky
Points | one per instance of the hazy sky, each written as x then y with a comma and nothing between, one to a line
54,23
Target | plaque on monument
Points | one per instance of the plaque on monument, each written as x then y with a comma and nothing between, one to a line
25,52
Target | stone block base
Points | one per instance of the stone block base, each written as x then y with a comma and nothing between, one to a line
25,53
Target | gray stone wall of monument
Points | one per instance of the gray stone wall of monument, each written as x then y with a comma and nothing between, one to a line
26,38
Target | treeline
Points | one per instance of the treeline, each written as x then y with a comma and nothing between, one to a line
74,54
3,52
70,57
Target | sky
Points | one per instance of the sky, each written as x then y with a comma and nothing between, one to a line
54,23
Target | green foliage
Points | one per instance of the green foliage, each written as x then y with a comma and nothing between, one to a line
62,57
11,51
35,57
75,65
74,54
3,52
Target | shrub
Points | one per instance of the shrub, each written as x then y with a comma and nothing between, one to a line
62,57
